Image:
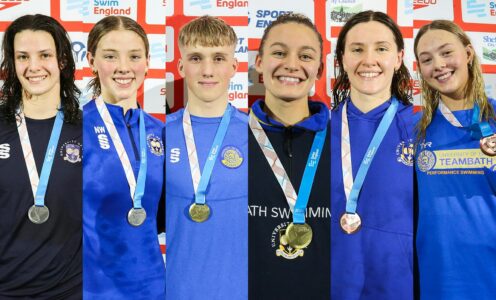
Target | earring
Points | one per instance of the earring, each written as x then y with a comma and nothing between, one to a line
95,72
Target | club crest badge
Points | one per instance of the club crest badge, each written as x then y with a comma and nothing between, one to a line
405,152
279,240
426,160
71,151
155,144
231,157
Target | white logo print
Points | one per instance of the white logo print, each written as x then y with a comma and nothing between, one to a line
4,151
102,137
174,155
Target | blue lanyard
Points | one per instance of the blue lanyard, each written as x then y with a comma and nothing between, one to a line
140,183
308,177
479,129
379,134
39,199
212,156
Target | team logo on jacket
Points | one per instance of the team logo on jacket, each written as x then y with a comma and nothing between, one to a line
426,160
71,151
280,242
405,152
231,157
4,151
155,144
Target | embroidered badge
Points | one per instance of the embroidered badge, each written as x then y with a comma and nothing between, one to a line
405,152
231,157
155,144
71,151
426,160
279,239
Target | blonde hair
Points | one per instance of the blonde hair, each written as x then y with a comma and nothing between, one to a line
207,31
474,88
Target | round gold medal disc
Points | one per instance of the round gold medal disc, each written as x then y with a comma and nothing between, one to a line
350,223
299,236
488,145
199,212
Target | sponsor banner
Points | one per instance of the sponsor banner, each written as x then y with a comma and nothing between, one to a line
479,11
155,12
409,56
254,78
405,13
241,49
329,61
262,13
170,43
216,7
169,7
433,9
154,98
79,49
103,8
417,91
485,46
157,51
490,85
238,90
86,93
74,10
169,84
12,9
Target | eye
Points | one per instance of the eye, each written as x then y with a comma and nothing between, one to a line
194,59
425,60
356,50
22,57
278,54
135,57
109,56
446,53
46,55
306,57
382,49
219,59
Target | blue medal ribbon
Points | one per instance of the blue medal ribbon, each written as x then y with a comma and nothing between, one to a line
39,199
140,182
308,177
379,134
480,129
212,156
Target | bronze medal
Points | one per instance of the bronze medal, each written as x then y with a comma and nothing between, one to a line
299,236
350,223
38,214
199,212
136,216
488,145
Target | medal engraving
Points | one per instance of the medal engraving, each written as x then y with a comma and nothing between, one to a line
299,236
38,214
488,145
199,212
350,223
136,216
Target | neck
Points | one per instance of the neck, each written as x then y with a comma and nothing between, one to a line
40,107
287,112
204,109
125,104
366,103
455,104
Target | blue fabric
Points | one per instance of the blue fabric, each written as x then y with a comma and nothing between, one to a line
377,261
207,260
120,261
456,237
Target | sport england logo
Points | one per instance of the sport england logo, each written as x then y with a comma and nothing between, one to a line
79,50
4,151
231,157
71,151
155,144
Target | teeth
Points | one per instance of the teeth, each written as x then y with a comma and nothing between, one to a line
36,78
442,77
369,74
123,81
289,79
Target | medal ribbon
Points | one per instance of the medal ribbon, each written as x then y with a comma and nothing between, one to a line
297,202
477,128
201,179
137,189
352,188
39,184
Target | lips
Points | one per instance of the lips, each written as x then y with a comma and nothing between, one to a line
444,77
208,83
369,74
123,81
35,79
289,80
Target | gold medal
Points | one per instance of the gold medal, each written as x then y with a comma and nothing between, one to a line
350,223
488,145
199,212
299,236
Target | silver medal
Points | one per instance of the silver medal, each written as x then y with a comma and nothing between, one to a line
136,216
38,214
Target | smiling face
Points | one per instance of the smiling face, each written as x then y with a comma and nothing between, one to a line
121,63
443,62
290,63
207,71
36,63
370,59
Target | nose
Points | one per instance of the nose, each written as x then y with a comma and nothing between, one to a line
207,68
291,62
370,57
34,64
123,66
439,63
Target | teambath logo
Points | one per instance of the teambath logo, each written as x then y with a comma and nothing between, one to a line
155,145
279,241
426,160
342,11
6,4
489,47
71,151
405,152
110,7
231,157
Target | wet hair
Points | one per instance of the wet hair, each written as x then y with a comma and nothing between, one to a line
474,88
291,18
104,26
11,91
207,31
401,86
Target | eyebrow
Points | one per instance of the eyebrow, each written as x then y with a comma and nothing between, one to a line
115,50
362,44
286,46
203,54
438,48
41,51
